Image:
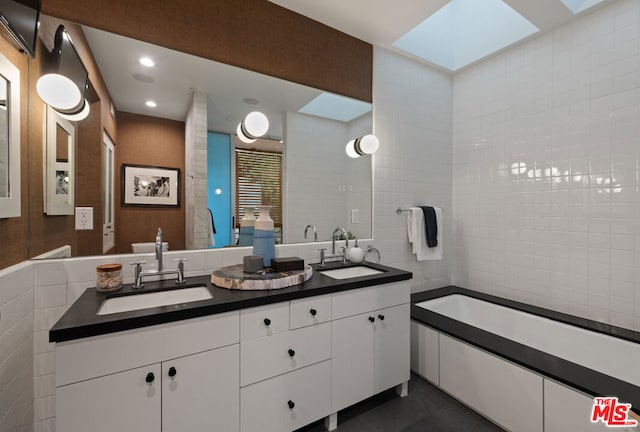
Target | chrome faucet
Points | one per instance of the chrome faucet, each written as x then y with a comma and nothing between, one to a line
139,273
333,239
315,232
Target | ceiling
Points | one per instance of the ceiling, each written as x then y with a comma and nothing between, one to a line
176,75
383,23
231,92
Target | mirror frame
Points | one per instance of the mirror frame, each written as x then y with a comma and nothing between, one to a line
10,206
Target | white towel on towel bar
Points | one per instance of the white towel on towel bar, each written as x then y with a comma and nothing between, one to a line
416,233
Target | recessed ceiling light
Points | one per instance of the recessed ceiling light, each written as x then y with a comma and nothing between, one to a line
151,104
146,61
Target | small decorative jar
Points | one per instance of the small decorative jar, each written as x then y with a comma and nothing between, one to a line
108,277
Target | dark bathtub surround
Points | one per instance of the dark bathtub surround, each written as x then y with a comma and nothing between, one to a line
569,373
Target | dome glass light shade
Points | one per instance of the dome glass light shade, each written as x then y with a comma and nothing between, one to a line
58,91
81,115
351,149
255,125
242,136
368,144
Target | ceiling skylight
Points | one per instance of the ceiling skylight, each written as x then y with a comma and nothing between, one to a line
464,31
577,6
336,107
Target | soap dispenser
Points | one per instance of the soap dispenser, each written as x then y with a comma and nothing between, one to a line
356,255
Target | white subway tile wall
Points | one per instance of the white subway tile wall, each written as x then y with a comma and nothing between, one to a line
412,117
545,169
16,348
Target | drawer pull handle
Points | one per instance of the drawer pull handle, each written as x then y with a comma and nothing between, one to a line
291,353
313,312
381,317
172,371
267,321
372,319
291,404
150,378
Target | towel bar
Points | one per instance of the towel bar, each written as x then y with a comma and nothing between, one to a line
400,210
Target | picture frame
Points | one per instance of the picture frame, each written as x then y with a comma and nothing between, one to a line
150,186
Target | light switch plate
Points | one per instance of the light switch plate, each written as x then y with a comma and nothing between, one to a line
355,216
84,218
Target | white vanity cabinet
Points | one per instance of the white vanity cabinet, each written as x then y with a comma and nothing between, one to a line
271,368
182,376
370,342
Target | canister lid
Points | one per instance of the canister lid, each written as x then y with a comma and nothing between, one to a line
108,267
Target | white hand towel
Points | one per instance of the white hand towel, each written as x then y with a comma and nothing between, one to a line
416,233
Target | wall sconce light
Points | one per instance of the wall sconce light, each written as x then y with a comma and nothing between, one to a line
64,82
365,145
254,125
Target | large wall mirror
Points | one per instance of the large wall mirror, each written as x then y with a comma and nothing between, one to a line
320,184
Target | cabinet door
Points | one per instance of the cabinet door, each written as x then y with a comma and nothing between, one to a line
203,393
119,402
352,360
392,347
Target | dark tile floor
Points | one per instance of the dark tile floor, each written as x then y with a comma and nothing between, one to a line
425,409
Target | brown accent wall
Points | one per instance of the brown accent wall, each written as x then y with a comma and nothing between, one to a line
13,231
89,180
152,141
253,34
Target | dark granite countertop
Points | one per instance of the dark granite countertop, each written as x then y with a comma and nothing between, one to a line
582,378
81,320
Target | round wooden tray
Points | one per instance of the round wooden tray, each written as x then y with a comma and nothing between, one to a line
233,277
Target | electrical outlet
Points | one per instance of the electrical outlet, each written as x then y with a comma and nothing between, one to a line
355,216
84,218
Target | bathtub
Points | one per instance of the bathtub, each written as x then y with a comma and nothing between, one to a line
524,367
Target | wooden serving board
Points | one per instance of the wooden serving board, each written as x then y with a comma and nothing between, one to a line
233,277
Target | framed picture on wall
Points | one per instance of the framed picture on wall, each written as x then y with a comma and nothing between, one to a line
149,186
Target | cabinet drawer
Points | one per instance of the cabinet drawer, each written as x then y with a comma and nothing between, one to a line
264,321
87,358
310,311
354,302
270,356
265,407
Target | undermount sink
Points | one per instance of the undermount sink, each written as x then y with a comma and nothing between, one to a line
351,272
153,299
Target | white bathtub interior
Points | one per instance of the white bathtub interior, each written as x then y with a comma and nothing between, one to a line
607,354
